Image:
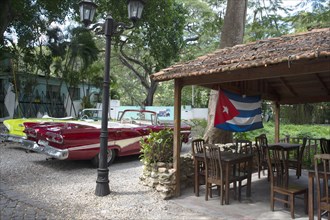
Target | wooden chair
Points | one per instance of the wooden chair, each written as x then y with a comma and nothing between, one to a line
322,176
286,139
261,144
277,159
296,161
325,146
215,174
242,147
197,147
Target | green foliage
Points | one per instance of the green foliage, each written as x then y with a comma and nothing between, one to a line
306,130
162,37
196,96
240,135
85,103
157,147
312,131
304,20
318,113
204,20
31,19
152,45
265,21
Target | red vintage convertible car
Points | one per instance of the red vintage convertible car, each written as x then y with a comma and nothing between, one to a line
81,140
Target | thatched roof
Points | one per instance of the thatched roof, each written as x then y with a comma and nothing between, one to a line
265,63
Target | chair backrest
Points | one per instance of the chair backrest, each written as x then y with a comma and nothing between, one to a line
325,146
322,174
277,159
197,146
286,139
212,157
261,144
302,149
243,147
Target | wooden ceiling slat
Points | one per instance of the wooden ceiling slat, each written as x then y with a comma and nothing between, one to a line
289,88
322,83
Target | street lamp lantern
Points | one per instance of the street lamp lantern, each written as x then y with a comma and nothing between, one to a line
135,8
110,27
87,10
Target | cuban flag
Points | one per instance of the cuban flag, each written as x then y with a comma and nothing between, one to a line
238,113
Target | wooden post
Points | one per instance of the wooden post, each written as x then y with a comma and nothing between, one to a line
177,139
277,122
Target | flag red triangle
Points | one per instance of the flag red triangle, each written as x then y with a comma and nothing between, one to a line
225,110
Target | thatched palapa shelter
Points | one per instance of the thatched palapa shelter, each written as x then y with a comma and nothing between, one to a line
291,69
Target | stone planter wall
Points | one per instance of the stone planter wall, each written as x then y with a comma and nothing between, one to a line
161,176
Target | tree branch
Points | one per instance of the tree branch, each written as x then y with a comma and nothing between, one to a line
146,69
140,77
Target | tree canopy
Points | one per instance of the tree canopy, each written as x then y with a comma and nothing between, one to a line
170,31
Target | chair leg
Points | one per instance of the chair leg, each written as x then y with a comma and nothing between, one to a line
210,188
235,189
206,191
318,213
306,202
222,194
298,172
239,190
272,200
292,205
268,176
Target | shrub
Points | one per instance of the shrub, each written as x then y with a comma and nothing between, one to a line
157,147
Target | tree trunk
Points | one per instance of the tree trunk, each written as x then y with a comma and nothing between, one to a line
231,34
5,18
151,91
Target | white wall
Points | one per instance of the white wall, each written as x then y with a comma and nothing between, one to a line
187,113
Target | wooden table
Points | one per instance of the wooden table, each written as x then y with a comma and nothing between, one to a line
229,159
287,146
290,147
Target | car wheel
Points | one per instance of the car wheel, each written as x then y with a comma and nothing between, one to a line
110,158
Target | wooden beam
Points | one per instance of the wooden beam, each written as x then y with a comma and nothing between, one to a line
322,84
277,121
301,100
289,88
177,139
297,68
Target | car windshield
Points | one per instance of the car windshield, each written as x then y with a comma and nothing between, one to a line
137,117
94,114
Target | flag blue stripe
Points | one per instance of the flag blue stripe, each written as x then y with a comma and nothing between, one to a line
242,128
239,98
247,114
249,117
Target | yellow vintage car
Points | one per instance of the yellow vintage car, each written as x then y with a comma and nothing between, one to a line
13,128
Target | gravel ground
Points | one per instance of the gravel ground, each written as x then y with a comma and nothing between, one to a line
66,188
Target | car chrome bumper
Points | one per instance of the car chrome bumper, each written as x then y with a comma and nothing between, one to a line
45,149
12,138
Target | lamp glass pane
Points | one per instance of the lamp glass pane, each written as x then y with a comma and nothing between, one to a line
87,14
87,10
135,10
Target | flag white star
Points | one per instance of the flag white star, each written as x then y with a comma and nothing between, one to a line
225,109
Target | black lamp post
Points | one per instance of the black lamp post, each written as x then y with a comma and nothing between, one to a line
110,27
